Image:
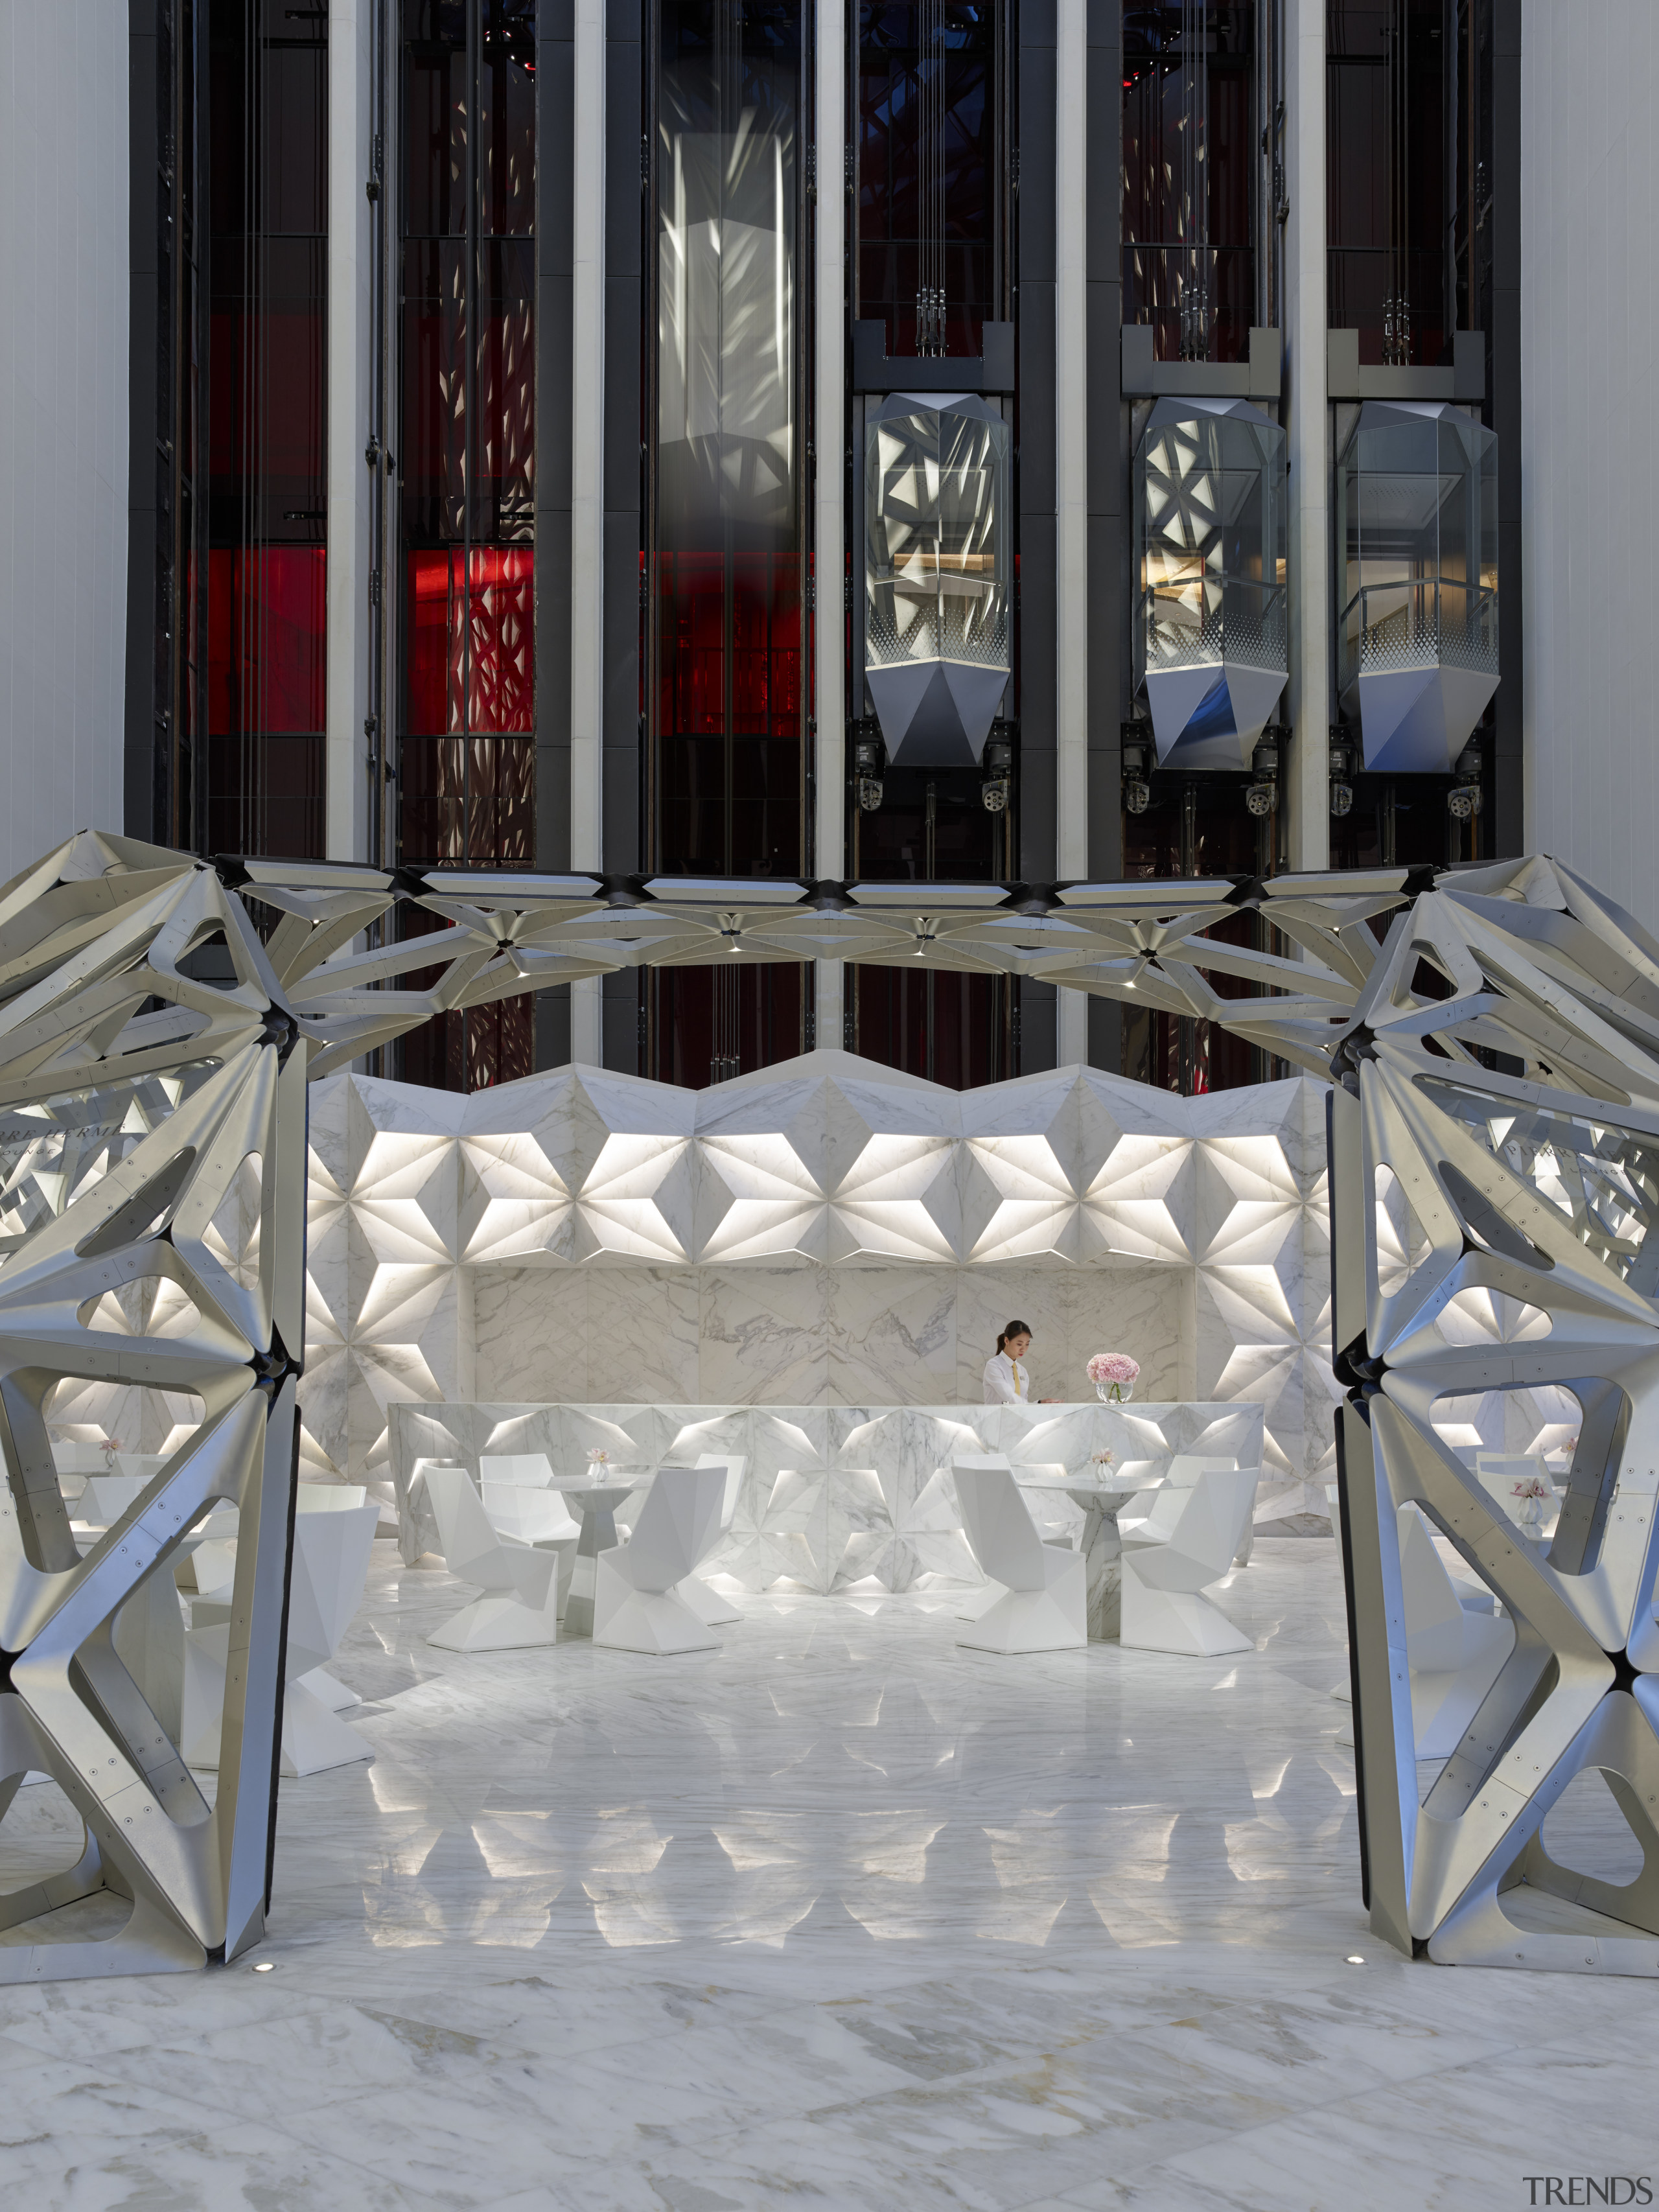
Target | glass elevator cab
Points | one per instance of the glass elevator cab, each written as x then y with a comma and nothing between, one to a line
1417,538
937,648
1209,638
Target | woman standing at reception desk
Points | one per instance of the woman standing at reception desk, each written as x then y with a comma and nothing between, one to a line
1007,1379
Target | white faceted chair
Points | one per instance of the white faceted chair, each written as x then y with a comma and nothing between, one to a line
525,1470
1455,1639
1044,1602
539,1516
519,1609
637,1605
334,1526
1188,1540
107,1497
710,1608
1186,1468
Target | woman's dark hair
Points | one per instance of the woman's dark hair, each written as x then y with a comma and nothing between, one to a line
1014,1329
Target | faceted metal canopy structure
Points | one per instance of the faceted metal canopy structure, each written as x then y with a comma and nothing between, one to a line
1493,1233
1210,640
1417,639
937,576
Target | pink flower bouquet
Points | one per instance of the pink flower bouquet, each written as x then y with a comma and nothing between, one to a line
1532,1491
1113,1374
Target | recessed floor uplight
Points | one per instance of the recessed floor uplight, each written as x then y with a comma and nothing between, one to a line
264,1966
1354,1959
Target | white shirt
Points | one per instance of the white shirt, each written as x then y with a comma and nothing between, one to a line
1007,1383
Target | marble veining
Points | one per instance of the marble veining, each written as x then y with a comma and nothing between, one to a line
836,1913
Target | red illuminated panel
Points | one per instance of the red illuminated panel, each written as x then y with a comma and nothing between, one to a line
266,639
487,657
765,644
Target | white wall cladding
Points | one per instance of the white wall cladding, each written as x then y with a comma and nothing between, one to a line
1590,333
824,1232
64,92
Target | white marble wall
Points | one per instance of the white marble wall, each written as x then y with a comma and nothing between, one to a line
1589,470
64,430
821,1233
814,1335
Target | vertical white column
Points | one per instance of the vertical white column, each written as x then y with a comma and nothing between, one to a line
1071,442
587,491
829,518
351,483
1307,791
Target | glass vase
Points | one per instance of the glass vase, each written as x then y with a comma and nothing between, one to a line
1115,1393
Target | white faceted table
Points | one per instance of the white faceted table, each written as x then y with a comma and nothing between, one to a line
1101,1545
594,1504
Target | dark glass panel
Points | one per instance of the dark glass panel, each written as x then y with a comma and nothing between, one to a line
295,139
766,804
433,461
504,389
1168,243
892,68
725,660
1388,210
266,796
932,822
708,1024
951,1030
506,119
431,813
468,802
502,802
690,612
436,108
691,793
266,628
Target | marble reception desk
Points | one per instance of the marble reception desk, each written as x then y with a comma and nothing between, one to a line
831,1495
823,1233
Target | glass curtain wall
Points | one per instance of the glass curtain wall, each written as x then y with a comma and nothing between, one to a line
267,558
1392,272
933,88
179,691
465,457
726,656
1190,169
932,137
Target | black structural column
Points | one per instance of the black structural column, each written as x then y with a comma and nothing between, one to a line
624,295
1038,500
555,63
1504,383
1107,697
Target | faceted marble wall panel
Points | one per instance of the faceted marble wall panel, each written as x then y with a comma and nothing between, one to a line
809,1335
824,1233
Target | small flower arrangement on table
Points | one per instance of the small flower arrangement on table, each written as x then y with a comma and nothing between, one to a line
1113,1375
110,1446
1102,1462
1532,1491
596,1457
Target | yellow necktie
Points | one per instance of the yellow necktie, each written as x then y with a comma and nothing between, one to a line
1014,1364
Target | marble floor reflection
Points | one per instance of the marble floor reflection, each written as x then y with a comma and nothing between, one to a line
839,1913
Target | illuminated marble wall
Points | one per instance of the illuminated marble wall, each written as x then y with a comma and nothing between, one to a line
826,1231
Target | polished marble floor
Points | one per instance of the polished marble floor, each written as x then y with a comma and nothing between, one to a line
839,1914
